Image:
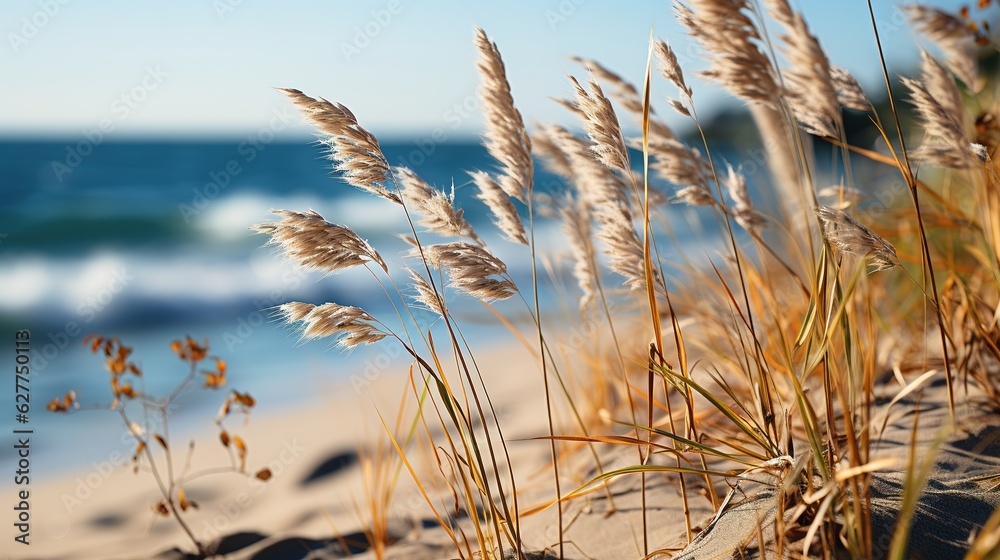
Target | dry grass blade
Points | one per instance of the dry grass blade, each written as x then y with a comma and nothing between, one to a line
852,237
439,213
505,215
352,325
313,242
355,150
506,138
471,270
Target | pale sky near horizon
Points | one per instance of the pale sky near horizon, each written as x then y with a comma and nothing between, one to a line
208,67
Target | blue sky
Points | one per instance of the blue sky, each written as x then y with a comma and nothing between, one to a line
208,67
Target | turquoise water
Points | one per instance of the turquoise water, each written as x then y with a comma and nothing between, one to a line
149,241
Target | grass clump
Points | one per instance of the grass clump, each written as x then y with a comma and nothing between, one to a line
761,365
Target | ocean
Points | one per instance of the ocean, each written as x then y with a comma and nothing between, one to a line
148,241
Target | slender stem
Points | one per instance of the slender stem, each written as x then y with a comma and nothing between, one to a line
545,370
925,248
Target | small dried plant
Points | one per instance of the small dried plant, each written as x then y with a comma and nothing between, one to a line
154,452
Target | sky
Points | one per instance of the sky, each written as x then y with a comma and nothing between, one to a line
209,67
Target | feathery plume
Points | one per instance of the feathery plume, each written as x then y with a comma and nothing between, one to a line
939,105
679,107
627,96
470,269
742,209
669,66
732,40
695,196
506,138
354,150
851,237
809,87
313,242
952,35
678,163
551,155
672,159
602,126
603,192
439,213
622,90
849,92
294,311
426,295
351,325
941,86
505,215
576,225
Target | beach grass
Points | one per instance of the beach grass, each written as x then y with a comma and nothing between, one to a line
754,376
763,361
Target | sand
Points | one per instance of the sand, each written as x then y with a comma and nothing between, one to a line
316,492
